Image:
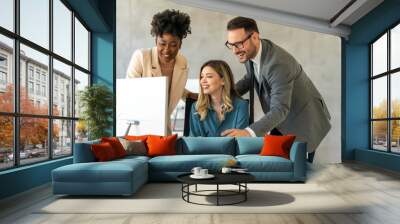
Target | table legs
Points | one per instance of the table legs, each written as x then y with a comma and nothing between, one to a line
241,191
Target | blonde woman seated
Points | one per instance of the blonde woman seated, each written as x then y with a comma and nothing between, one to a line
218,107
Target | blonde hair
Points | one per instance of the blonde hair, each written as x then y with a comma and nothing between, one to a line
228,90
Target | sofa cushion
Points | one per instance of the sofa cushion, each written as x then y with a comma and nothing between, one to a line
257,163
132,158
185,163
112,171
206,145
249,145
83,152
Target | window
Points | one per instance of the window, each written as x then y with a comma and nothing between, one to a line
178,115
62,75
81,81
6,80
62,144
43,90
385,94
37,74
3,71
7,14
3,61
38,89
34,21
30,73
30,87
81,45
55,126
62,29
3,78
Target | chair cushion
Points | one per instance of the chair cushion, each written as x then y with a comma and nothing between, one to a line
249,145
185,163
206,145
257,163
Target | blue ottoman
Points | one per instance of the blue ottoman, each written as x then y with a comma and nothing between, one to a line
118,177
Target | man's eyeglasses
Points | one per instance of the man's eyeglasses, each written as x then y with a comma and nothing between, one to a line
239,44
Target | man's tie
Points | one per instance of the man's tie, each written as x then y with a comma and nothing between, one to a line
251,90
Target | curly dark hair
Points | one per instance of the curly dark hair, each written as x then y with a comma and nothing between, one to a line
171,21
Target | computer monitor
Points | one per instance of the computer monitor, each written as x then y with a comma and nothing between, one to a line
142,105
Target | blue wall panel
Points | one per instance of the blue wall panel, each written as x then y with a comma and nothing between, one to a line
102,59
24,178
103,63
356,85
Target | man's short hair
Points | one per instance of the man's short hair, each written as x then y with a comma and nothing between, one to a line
248,24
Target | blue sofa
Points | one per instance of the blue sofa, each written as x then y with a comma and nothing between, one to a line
125,176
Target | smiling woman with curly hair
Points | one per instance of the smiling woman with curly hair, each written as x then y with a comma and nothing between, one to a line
169,28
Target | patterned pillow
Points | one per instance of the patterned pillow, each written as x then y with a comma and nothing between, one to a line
135,147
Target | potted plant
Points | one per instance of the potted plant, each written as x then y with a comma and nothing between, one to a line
96,102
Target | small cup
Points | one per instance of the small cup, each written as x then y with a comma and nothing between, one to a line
196,170
203,172
226,170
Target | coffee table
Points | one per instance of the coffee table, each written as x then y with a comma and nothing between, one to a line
238,179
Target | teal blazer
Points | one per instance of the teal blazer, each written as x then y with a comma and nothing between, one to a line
211,127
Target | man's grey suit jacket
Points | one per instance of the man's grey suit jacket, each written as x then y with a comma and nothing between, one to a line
289,99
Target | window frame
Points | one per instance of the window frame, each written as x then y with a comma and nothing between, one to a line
388,74
15,72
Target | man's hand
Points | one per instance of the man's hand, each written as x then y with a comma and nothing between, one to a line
235,133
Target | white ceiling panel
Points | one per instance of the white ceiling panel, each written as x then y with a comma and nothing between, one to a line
320,9
326,16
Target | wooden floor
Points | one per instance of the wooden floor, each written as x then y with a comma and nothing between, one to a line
377,188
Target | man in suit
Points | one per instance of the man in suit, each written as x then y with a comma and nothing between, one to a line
290,101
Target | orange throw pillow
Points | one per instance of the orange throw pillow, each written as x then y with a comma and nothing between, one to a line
103,151
161,146
116,145
275,145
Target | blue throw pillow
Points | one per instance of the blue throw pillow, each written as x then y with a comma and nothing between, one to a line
249,145
83,153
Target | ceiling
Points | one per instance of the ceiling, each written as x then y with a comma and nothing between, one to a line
326,16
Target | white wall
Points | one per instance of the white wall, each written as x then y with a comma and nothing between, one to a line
319,54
